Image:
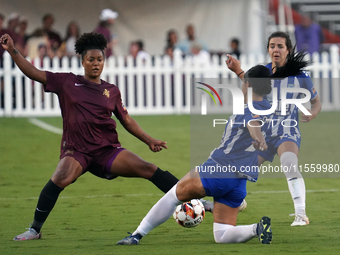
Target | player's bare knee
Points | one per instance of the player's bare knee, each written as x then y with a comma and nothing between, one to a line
148,169
61,179
62,183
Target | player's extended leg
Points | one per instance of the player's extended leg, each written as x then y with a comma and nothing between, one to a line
226,231
128,164
189,187
186,193
288,153
67,171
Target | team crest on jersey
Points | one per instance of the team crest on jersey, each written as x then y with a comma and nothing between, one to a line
106,93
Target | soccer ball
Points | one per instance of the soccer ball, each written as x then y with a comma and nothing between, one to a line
189,214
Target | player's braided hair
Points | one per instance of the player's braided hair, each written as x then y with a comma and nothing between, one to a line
90,41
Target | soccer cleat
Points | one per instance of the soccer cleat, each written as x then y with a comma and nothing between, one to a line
130,240
300,220
30,234
264,230
208,205
243,206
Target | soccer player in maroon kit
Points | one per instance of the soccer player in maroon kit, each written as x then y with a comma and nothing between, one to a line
90,140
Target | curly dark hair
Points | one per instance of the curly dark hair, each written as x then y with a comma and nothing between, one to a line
90,41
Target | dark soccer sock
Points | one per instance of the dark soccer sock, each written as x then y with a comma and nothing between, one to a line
163,180
47,199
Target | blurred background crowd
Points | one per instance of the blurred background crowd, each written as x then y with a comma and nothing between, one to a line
46,40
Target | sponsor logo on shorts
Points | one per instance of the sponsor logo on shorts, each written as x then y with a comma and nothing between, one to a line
69,152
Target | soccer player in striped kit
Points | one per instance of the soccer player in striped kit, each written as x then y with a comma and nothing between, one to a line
237,153
284,140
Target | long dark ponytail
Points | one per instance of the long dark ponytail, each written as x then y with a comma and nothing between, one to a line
295,64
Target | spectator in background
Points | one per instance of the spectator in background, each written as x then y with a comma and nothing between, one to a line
171,38
22,27
72,34
33,43
13,22
22,36
186,44
107,18
42,53
171,42
169,50
52,35
308,35
133,49
200,54
2,32
234,45
137,50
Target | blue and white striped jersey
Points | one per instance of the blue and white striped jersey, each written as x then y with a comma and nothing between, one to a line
236,149
288,125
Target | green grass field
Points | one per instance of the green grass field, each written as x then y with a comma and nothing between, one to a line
92,214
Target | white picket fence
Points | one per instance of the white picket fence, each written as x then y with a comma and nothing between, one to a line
155,86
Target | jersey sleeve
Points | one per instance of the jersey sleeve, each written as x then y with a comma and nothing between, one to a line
55,81
249,116
120,110
307,83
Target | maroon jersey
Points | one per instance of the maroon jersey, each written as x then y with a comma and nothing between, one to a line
86,108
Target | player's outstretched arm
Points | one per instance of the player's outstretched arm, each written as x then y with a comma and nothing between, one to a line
235,66
316,108
255,132
25,66
133,128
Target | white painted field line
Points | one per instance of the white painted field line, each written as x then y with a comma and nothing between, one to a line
93,196
286,191
159,194
46,126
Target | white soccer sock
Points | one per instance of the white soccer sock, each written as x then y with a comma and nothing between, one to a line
159,213
296,183
224,233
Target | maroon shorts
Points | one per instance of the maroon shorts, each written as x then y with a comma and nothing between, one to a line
97,162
